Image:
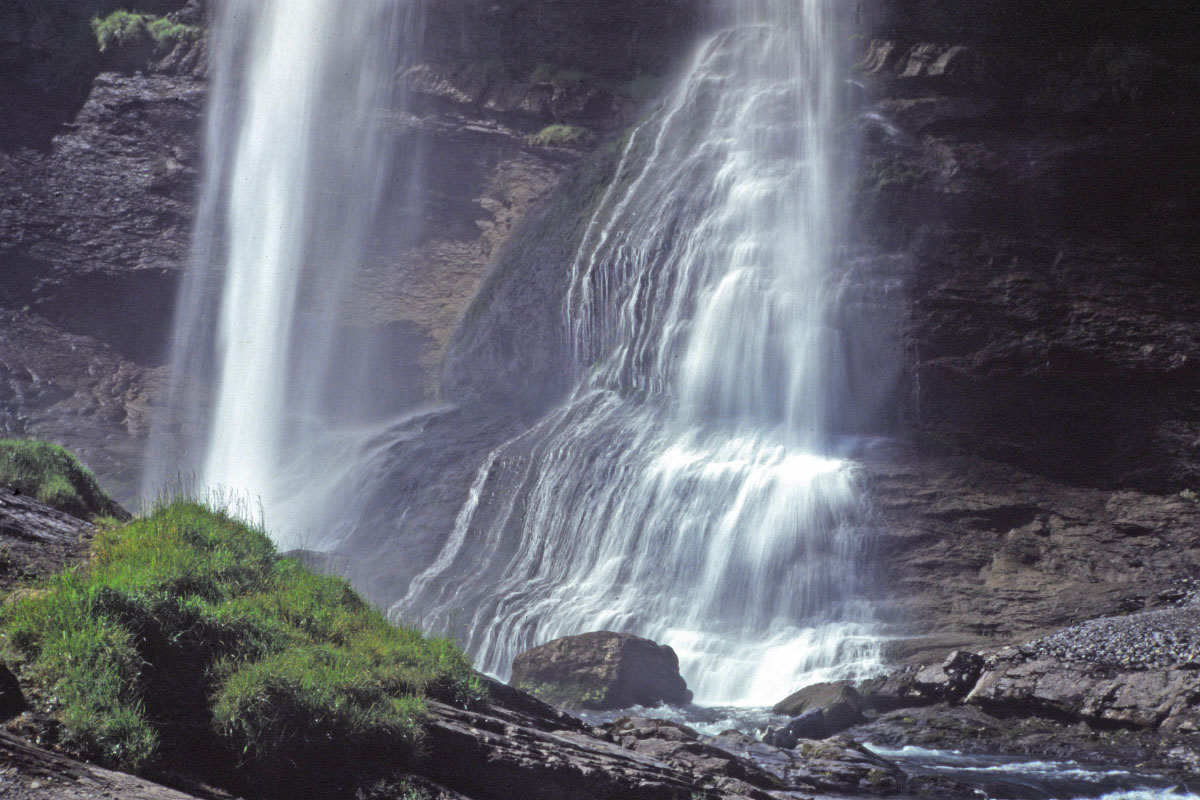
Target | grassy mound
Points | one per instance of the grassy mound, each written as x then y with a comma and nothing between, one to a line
187,639
55,477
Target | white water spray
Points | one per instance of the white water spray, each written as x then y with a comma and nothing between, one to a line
297,153
693,488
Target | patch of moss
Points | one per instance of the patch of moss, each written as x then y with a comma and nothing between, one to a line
54,476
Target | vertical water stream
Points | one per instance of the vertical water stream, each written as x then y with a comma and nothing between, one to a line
297,151
693,488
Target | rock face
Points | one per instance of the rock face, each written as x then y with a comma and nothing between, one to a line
1031,178
967,549
36,540
96,215
601,670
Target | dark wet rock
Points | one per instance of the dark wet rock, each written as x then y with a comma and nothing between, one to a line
36,541
12,700
897,689
819,711
833,765
506,753
839,701
921,685
951,680
32,772
601,670
683,748
809,725
1049,283
972,730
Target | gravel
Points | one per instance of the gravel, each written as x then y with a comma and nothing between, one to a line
1164,638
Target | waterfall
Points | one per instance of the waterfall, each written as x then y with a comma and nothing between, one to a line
695,487
268,378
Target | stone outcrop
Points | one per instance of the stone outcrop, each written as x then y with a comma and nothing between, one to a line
1140,671
910,686
601,670
1034,188
36,541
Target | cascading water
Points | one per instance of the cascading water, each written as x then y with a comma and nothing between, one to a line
297,154
692,488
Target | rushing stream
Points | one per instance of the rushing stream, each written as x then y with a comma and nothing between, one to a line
695,488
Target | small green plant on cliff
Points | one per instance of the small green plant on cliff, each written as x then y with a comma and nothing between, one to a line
561,136
53,476
187,632
125,27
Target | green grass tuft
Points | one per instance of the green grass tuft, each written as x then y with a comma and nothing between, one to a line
188,632
121,28
53,476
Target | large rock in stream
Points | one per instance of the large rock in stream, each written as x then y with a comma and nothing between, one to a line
601,670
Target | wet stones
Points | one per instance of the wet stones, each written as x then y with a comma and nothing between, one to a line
600,671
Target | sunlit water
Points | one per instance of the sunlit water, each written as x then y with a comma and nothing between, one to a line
694,488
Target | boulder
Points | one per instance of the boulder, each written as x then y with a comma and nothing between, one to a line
838,704
12,702
809,725
951,680
601,670
895,690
